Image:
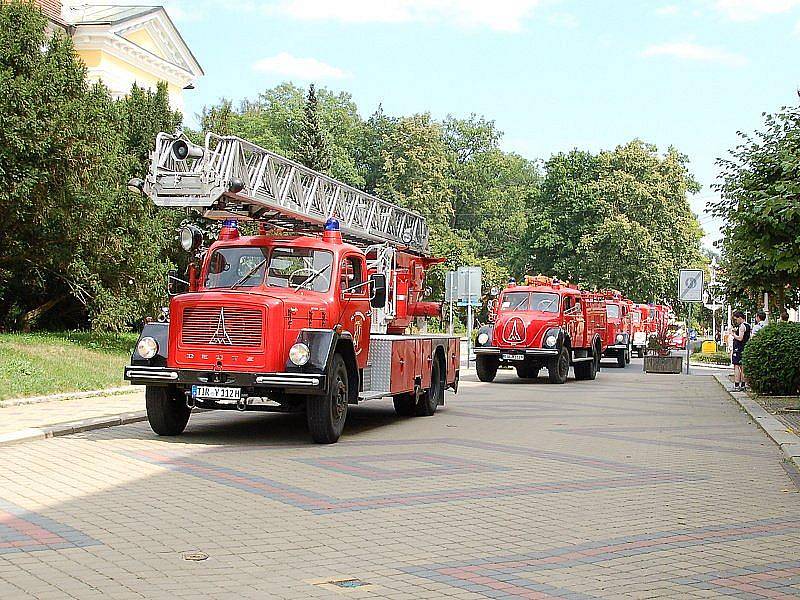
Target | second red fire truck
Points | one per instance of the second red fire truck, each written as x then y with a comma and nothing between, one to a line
288,320
543,323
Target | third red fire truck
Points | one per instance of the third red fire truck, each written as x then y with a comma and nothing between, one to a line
286,319
543,323
617,335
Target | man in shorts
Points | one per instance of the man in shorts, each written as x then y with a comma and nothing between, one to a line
741,335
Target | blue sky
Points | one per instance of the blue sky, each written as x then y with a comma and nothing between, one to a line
553,74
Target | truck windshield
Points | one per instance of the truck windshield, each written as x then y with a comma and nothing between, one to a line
612,311
298,268
539,301
236,265
284,267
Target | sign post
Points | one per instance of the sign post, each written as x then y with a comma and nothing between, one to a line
690,290
469,295
451,293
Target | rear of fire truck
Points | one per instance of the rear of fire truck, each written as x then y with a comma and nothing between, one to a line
288,320
542,324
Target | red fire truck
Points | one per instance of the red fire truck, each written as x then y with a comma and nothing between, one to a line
617,334
640,323
288,320
543,323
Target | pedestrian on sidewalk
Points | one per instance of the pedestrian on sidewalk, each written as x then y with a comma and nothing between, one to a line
761,321
741,335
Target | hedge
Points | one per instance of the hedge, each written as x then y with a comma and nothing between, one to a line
771,360
713,358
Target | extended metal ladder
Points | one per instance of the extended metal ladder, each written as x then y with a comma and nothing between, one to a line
230,177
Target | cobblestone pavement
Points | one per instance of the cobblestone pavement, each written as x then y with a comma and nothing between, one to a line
24,416
631,486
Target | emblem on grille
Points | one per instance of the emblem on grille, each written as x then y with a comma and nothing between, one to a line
220,336
513,332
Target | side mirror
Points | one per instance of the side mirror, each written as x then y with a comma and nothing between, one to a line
377,290
176,285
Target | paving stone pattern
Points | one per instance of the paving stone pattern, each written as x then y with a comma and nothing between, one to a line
631,486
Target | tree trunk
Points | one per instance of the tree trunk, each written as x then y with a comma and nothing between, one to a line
29,318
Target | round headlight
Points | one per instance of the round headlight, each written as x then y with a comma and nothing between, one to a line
299,354
191,238
147,347
550,341
483,338
620,338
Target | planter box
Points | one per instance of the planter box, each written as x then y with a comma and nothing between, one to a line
663,364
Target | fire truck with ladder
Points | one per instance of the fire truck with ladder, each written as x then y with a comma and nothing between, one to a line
543,323
287,320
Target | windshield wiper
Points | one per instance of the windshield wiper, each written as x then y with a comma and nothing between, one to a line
311,278
249,273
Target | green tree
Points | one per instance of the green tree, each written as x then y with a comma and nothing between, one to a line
617,219
311,143
759,196
73,237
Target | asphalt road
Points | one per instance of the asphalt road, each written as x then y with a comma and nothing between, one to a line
630,486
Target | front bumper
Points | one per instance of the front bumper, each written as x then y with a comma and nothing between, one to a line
617,347
301,382
525,351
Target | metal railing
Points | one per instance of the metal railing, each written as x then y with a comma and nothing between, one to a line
231,175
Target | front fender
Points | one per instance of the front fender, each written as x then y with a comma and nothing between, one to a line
489,331
160,333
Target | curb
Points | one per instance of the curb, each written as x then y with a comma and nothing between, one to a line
787,441
70,427
68,396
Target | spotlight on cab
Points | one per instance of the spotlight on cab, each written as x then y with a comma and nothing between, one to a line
191,238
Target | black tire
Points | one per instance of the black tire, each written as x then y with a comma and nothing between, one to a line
166,411
587,370
621,363
628,354
327,413
405,405
528,371
640,352
558,368
430,399
486,366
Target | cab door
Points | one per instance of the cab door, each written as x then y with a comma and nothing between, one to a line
353,294
574,322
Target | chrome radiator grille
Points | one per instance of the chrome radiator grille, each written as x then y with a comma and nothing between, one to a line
222,326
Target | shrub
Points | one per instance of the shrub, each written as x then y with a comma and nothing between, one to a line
714,358
771,360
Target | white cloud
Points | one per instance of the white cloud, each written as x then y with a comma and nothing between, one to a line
307,69
751,10
668,10
696,52
498,15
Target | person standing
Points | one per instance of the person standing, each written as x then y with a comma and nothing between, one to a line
761,321
740,335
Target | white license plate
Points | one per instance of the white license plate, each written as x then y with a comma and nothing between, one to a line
216,393
513,357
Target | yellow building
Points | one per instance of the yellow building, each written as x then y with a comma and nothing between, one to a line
123,45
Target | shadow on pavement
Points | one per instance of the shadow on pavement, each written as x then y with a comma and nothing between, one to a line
258,428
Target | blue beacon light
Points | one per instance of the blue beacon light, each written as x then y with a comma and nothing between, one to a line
331,225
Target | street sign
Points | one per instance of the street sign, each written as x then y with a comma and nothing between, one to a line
451,286
711,303
469,286
690,285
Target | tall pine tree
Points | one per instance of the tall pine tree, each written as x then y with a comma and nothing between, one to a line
312,146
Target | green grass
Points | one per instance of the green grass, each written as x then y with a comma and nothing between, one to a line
711,358
50,363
